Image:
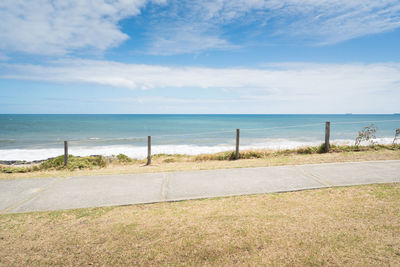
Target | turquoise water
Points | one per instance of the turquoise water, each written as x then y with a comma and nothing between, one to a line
33,137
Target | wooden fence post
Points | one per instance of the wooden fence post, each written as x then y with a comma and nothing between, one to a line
65,153
327,135
237,143
148,150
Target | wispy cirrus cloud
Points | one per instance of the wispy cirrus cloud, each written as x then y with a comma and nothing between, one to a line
186,39
336,21
319,22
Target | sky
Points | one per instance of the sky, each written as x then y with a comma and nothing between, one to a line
221,56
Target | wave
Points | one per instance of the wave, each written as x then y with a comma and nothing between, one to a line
140,152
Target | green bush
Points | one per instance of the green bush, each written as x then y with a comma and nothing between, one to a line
311,149
57,163
251,155
307,150
74,163
14,169
227,156
122,158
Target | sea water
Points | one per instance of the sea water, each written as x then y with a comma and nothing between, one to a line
36,137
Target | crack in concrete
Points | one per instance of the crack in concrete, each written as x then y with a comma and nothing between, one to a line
315,177
164,187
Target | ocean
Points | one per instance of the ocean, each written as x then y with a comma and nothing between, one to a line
37,137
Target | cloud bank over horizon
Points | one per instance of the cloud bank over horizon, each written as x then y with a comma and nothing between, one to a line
272,77
285,86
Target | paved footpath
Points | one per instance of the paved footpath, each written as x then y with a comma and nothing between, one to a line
39,194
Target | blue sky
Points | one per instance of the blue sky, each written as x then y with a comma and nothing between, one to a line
167,56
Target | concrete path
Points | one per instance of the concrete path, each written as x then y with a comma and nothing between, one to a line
23,195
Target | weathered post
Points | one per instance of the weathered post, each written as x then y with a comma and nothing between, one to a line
237,143
65,153
148,150
327,135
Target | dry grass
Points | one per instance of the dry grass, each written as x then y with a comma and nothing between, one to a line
353,226
168,163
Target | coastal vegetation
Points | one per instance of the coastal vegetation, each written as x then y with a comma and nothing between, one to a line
396,136
252,154
94,165
367,134
57,163
347,226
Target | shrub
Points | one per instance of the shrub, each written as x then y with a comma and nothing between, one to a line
74,162
366,134
311,149
14,169
122,158
396,135
57,163
226,156
251,155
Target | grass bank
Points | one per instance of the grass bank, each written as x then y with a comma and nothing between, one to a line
121,164
349,226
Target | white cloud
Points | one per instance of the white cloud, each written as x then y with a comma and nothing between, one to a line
329,22
58,27
278,78
187,39
274,88
318,21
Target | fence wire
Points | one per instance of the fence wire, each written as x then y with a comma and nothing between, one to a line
143,139
358,122
273,128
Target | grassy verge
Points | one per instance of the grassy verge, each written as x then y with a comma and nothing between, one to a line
98,165
352,226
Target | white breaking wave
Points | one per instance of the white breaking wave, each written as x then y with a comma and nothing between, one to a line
140,152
